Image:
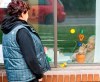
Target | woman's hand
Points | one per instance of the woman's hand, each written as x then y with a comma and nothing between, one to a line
83,49
40,80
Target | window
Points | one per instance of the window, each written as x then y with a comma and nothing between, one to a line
41,17
75,24
38,2
76,32
43,2
60,2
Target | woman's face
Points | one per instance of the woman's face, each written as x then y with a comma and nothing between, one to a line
25,16
90,45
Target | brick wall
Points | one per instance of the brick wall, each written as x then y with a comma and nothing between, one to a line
72,78
3,77
66,75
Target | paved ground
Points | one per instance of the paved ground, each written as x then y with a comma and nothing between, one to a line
78,21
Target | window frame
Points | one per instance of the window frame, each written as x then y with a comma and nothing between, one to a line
55,42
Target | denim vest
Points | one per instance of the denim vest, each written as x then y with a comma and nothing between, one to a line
16,67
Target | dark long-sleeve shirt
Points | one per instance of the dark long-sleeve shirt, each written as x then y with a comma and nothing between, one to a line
26,45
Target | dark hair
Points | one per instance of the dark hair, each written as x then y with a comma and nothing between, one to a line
16,7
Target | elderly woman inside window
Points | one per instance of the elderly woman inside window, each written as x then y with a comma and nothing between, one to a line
86,49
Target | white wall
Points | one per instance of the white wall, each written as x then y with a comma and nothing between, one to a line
97,49
1,55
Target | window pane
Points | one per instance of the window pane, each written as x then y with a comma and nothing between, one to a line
41,18
76,31
38,2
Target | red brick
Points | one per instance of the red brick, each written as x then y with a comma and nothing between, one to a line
4,77
66,78
49,78
54,78
96,77
78,78
90,77
72,78
84,77
60,78
0,76
44,78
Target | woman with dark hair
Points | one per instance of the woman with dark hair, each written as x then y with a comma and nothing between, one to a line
24,56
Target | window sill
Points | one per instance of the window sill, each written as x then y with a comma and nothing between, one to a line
76,69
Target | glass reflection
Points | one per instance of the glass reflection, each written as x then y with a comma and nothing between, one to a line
75,30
